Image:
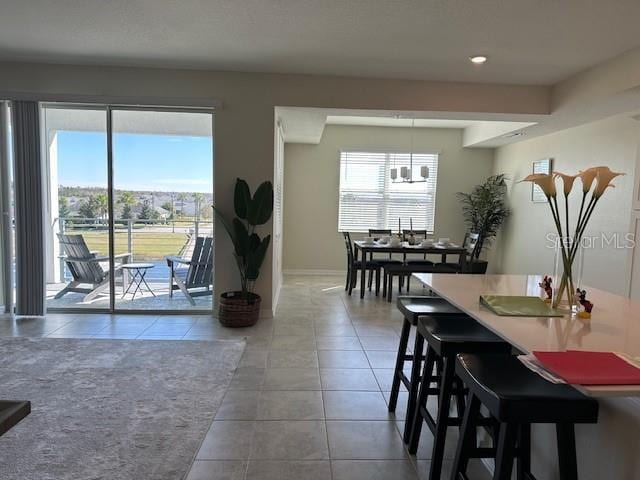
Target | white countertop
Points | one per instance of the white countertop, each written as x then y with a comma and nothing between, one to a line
614,325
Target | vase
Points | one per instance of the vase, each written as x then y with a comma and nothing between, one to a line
567,275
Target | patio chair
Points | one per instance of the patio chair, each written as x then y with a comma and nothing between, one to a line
198,275
85,267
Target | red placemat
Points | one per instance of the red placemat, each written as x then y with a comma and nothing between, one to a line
590,368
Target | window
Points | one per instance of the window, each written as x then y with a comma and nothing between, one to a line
369,199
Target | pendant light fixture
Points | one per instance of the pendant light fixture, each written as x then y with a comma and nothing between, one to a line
406,173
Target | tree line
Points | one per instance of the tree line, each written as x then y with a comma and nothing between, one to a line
97,206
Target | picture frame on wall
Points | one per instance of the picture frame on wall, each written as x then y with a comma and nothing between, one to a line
540,166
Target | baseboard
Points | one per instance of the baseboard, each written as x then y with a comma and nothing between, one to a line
313,272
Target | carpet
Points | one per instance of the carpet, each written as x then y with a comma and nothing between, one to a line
110,409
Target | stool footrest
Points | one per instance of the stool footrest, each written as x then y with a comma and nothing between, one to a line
483,452
430,421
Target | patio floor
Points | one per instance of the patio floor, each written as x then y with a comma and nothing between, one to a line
143,300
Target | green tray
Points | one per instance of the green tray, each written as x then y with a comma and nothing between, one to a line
518,306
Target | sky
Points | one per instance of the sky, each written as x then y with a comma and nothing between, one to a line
140,161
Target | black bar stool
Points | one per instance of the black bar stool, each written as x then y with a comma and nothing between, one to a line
446,337
412,308
517,397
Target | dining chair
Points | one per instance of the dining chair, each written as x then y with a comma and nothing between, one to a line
353,266
471,243
378,233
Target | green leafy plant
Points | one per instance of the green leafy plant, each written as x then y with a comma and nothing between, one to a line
249,249
485,209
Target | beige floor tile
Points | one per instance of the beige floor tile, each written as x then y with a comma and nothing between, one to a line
340,405
290,405
335,330
293,342
289,440
363,440
254,358
338,343
239,405
342,359
381,359
348,379
247,378
292,379
292,359
289,470
227,440
387,342
288,329
476,470
217,470
373,470
375,330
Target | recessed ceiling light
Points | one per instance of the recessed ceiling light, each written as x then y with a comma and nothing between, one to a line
513,134
478,59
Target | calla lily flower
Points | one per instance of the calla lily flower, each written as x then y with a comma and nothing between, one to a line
567,181
545,182
588,176
604,175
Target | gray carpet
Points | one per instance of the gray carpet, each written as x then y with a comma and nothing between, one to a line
110,409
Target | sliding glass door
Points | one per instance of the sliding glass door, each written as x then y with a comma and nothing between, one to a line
129,222
77,252
162,197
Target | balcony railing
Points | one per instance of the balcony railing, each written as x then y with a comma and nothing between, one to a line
146,240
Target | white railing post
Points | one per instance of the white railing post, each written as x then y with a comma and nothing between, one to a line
61,227
130,237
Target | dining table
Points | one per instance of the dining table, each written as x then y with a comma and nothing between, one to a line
366,248
607,449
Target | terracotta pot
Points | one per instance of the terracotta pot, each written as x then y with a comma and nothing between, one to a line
236,311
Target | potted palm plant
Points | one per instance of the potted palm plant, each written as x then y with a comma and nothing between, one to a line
242,308
484,211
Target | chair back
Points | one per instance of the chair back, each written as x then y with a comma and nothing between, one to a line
471,241
376,233
77,253
349,246
200,273
416,233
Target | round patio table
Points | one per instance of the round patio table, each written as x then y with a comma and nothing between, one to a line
138,272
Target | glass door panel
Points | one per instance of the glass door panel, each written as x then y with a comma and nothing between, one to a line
77,214
163,220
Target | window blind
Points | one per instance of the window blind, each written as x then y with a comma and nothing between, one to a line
370,199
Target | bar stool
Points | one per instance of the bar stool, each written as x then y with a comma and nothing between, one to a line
446,337
517,397
412,308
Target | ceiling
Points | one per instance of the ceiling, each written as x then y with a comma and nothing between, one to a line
397,121
528,42
306,124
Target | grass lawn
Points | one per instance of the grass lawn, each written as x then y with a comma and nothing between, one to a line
146,245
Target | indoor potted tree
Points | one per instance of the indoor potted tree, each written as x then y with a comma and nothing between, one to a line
242,308
484,211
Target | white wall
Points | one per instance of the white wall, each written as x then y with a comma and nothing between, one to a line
312,177
522,248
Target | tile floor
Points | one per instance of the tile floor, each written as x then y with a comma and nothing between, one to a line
309,398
